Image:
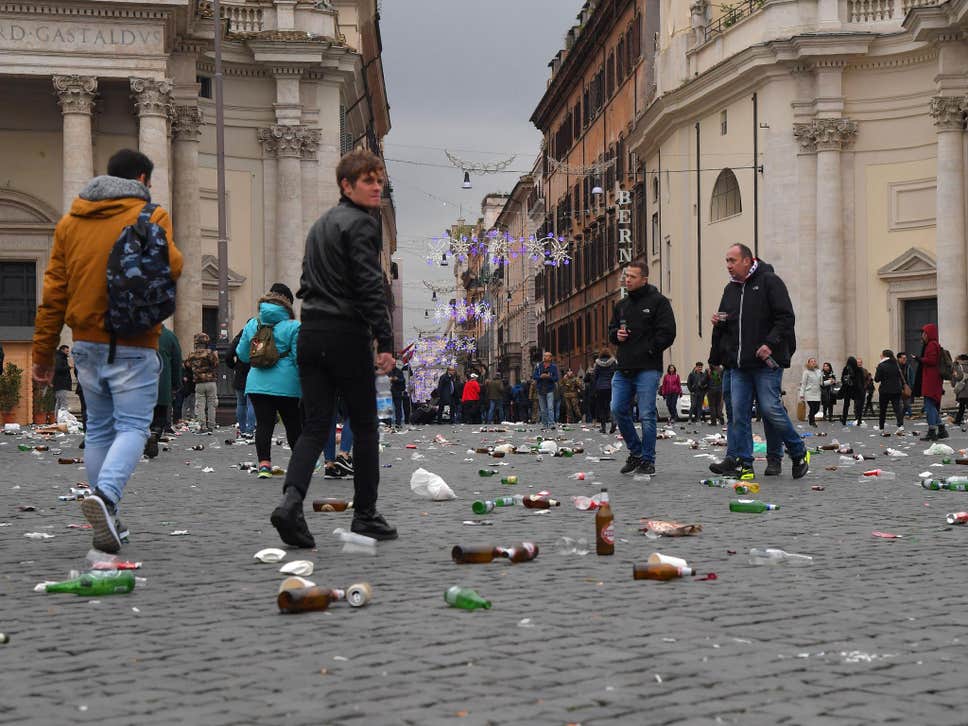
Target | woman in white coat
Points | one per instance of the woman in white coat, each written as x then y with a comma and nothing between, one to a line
810,389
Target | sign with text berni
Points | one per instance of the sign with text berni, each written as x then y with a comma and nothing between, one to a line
27,34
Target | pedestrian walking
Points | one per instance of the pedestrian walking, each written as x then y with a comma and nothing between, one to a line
62,378
671,392
852,390
959,377
398,390
754,337
714,394
344,308
571,390
696,383
203,362
605,367
458,407
829,390
185,394
269,345
170,354
523,399
495,391
336,466
868,389
643,326
119,373
545,377
927,382
907,369
244,413
811,389
588,396
888,374
445,395
470,400
533,401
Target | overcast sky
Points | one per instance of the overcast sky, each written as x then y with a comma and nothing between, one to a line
463,75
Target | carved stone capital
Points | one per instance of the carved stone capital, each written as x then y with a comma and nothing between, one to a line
187,123
948,112
825,134
151,97
75,94
289,141
310,144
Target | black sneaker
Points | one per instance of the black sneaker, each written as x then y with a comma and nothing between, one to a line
943,432
646,467
373,525
727,467
746,472
289,522
331,471
774,467
122,530
801,466
344,464
932,435
151,446
100,512
631,464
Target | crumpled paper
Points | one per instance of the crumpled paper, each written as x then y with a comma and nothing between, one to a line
670,529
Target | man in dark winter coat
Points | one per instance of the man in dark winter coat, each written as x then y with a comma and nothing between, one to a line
642,326
244,413
755,339
697,383
446,388
62,378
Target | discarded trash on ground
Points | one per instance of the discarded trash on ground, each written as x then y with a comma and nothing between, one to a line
670,529
430,486
773,556
465,598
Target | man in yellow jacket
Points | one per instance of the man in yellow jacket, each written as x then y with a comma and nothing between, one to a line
120,394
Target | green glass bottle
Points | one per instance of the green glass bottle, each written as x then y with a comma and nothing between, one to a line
465,598
754,506
483,507
24,447
486,472
509,480
107,582
932,484
956,486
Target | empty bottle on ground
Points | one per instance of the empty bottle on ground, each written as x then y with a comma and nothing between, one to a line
465,598
102,582
773,556
753,506
660,572
604,526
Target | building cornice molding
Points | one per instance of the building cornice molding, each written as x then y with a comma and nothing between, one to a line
93,10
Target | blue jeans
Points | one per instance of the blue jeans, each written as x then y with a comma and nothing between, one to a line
493,406
120,401
244,413
345,441
546,405
765,383
774,442
931,412
624,387
398,410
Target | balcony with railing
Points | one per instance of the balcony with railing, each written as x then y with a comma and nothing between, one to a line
240,16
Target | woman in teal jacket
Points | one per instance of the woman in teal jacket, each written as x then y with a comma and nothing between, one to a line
274,390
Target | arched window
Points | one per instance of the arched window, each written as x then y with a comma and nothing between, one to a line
726,199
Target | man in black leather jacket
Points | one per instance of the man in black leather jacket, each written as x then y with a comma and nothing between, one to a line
344,308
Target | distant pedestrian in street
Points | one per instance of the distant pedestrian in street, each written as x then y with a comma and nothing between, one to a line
445,395
120,389
495,391
927,382
545,378
643,326
959,377
523,400
888,374
811,389
714,394
828,394
203,362
273,379
344,308
907,370
244,413
605,367
398,390
696,383
671,392
756,341
571,389
336,466
868,389
470,400
170,354
62,378
852,390
185,394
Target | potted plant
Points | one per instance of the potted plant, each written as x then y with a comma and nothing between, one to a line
10,391
43,403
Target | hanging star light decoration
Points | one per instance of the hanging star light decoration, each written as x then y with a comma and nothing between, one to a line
557,252
499,248
534,247
436,249
460,246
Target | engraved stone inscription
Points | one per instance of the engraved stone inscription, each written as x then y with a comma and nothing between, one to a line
127,39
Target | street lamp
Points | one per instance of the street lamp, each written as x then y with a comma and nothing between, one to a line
467,181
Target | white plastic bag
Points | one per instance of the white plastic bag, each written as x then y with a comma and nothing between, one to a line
66,417
939,450
548,447
428,485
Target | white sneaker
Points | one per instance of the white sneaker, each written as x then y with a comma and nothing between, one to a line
899,430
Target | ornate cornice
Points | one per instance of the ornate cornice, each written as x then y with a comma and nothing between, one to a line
948,112
825,134
187,123
152,97
289,141
75,94
100,11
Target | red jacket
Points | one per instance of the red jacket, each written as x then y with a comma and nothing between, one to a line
472,391
671,385
928,380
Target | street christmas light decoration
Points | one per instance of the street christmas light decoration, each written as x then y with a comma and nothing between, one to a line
461,310
500,248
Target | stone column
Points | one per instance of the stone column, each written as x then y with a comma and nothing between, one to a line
310,180
186,218
76,95
949,120
809,266
152,99
830,137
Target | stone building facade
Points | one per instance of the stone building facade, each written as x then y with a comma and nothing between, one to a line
303,83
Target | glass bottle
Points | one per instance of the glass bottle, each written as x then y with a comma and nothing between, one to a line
483,506
474,554
719,482
305,599
522,552
101,582
932,484
486,472
535,502
331,505
465,598
773,556
746,487
509,480
753,506
604,526
660,572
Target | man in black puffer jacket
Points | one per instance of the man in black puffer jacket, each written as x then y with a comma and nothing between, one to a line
643,326
755,339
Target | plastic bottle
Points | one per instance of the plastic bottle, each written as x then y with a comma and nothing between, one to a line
474,555
932,484
571,546
107,582
772,556
957,518
384,399
605,526
660,572
465,598
580,475
746,487
753,506
355,543
486,472
331,505
583,503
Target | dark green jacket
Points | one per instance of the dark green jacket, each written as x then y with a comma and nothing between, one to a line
171,362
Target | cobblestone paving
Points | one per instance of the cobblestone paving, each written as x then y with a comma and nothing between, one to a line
870,633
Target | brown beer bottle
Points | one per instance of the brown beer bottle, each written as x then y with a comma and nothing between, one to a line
535,502
660,572
521,552
604,529
475,554
331,505
305,599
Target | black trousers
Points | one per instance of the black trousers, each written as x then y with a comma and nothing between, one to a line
812,408
266,407
858,400
827,404
895,402
471,411
715,399
329,365
695,406
962,405
160,419
603,405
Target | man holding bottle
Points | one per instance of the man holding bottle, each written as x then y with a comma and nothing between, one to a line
344,308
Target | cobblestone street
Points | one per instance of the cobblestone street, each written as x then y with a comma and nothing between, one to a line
868,634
